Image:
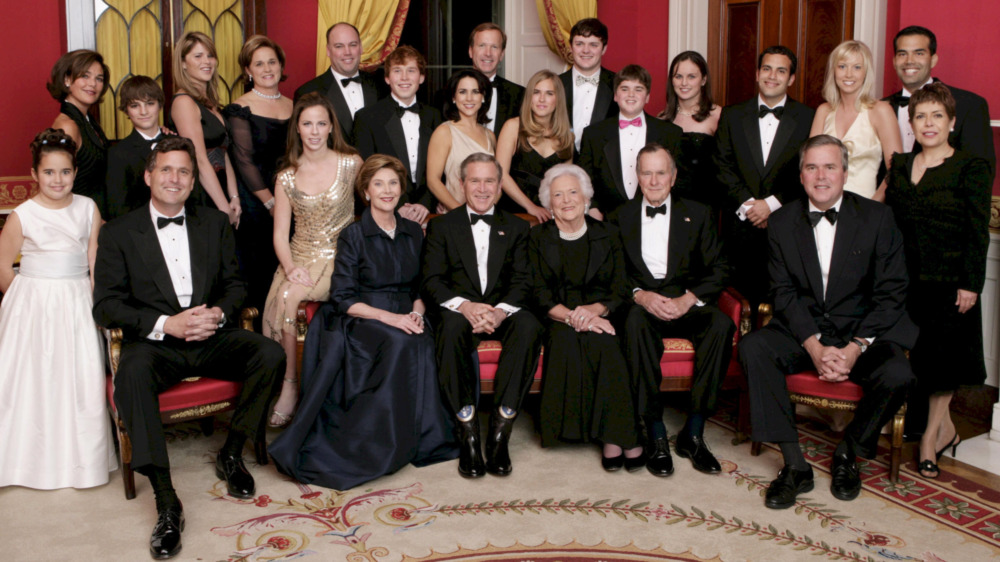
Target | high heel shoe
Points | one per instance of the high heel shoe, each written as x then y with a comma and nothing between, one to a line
282,419
928,469
955,442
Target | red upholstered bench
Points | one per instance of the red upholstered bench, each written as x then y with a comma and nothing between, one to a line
190,399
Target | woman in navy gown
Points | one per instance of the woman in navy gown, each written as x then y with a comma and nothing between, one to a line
370,397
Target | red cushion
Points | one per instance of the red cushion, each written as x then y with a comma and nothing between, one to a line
808,383
311,308
489,356
188,394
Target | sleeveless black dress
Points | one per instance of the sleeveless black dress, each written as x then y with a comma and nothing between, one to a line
91,157
216,144
527,170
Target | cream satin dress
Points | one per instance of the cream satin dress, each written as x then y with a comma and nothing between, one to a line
864,152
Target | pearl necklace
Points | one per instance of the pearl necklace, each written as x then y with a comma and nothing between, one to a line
266,96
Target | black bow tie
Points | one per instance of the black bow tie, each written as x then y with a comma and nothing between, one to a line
345,81
152,142
816,216
400,110
777,111
653,211
163,221
475,217
899,100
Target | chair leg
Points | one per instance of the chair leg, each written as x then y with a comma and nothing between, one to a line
207,426
260,449
742,417
755,448
897,444
125,456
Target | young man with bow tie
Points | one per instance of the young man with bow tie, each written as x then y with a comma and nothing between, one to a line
589,86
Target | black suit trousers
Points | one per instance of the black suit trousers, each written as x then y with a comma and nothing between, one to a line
148,368
711,332
769,354
521,337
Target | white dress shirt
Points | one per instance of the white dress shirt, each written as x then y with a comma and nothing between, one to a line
768,128
492,113
353,95
655,239
177,254
631,139
825,234
903,116
481,238
411,132
584,98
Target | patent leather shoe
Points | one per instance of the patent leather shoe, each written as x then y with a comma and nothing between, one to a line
658,459
239,482
845,483
694,448
787,486
165,541
470,454
497,453
613,464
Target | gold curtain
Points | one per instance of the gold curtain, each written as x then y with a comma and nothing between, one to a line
379,21
558,17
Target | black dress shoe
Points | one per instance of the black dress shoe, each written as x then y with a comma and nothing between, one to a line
658,460
497,455
845,483
470,454
789,484
239,482
694,448
636,463
613,464
165,541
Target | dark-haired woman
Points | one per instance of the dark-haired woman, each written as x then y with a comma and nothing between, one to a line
316,189
371,400
690,107
258,127
941,197
463,133
79,81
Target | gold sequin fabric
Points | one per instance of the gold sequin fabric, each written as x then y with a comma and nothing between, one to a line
319,220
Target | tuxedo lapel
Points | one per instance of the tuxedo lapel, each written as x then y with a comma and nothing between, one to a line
678,241
843,241
498,249
394,128
786,126
148,245
613,153
751,129
198,237
340,107
631,225
368,93
426,130
462,234
806,243
601,103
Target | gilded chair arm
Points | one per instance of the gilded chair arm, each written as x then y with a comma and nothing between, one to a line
247,316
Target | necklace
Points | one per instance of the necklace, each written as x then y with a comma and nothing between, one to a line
688,113
266,96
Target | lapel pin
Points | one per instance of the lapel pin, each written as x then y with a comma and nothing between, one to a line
687,219
500,233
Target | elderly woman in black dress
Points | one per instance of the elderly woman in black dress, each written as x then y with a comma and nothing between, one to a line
580,284
941,197
370,397
79,81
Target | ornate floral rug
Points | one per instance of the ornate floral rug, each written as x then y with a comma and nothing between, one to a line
557,505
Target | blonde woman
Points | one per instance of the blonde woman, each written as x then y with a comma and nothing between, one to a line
866,126
530,144
196,116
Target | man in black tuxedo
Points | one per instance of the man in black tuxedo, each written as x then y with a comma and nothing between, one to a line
167,275
141,99
347,89
915,55
590,88
609,147
676,270
758,142
487,45
400,126
476,275
838,280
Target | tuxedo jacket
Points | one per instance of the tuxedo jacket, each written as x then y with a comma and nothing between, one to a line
378,129
132,286
601,156
866,292
604,104
509,99
739,158
449,261
695,261
326,85
126,182
605,280
972,131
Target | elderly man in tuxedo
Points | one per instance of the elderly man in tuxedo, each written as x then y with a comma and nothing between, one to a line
167,275
344,85
838,280
475,268
676,271
758,143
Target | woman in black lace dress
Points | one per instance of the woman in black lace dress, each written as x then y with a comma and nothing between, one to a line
78,82
532,143
258,130
690,107
195,115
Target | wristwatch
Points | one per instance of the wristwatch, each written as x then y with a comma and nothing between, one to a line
863,344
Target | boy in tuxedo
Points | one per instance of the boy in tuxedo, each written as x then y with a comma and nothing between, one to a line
141,100
400,126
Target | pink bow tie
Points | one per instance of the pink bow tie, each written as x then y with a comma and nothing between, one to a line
623,123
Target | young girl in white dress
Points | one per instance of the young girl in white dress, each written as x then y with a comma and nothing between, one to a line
54,426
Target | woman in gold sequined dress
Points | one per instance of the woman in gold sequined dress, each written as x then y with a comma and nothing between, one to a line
316,188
